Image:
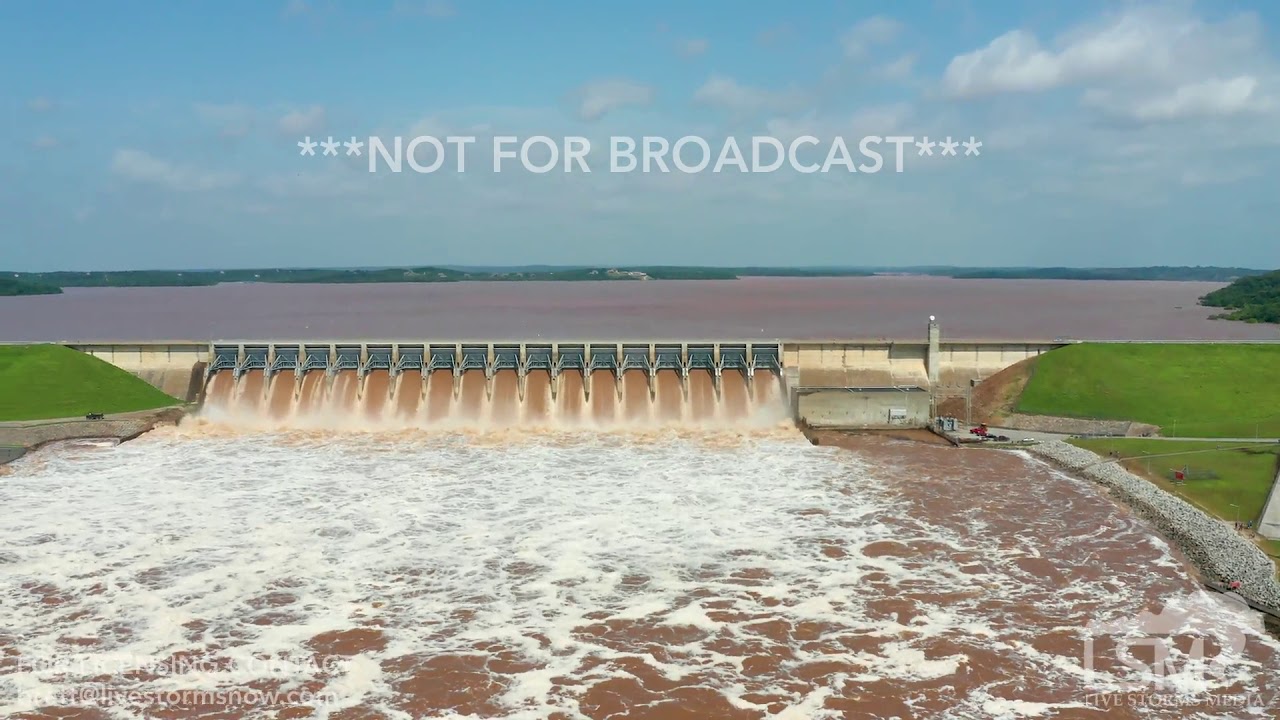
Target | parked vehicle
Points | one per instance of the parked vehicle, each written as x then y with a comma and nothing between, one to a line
984,433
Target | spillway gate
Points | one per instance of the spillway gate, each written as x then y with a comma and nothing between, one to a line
460,357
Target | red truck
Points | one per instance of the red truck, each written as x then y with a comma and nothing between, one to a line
983,432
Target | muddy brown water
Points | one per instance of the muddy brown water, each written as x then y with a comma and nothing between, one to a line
891,307
664,573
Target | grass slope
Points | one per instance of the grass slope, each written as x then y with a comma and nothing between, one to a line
1188,390
1217,480
51,381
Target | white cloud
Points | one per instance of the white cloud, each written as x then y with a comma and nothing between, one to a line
877,30
1198,177
41,104
259,208
899,69
45,142
303,121
774,35
694,47
1140,46
1197,100
231,120
295,8
142,167
882,120
1023,136
1115,164
329,184
428,8
726,93
1013,62
597,99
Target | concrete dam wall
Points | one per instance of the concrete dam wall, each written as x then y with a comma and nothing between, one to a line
825,384
177,368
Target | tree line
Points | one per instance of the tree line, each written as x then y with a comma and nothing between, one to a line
1250,299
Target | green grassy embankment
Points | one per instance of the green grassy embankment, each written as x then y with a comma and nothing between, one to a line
1189,390
1227,480
39,382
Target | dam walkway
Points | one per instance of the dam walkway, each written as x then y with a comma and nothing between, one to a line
1037,435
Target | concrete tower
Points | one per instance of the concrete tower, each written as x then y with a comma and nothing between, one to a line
933,359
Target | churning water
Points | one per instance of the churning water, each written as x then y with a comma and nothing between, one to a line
594,401
537,573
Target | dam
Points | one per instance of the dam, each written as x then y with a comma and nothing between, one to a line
495,384
477,574
845,384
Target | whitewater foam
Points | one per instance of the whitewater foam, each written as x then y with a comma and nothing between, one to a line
553,572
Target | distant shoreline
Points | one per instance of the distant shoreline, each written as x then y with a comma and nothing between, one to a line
52,283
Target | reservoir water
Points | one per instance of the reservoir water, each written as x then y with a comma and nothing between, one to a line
762,308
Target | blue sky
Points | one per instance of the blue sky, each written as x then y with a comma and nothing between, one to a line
164,134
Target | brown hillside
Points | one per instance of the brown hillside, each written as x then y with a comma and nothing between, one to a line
995,398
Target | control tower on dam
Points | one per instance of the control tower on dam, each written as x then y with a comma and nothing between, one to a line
824,383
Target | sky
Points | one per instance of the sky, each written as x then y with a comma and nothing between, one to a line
154,135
